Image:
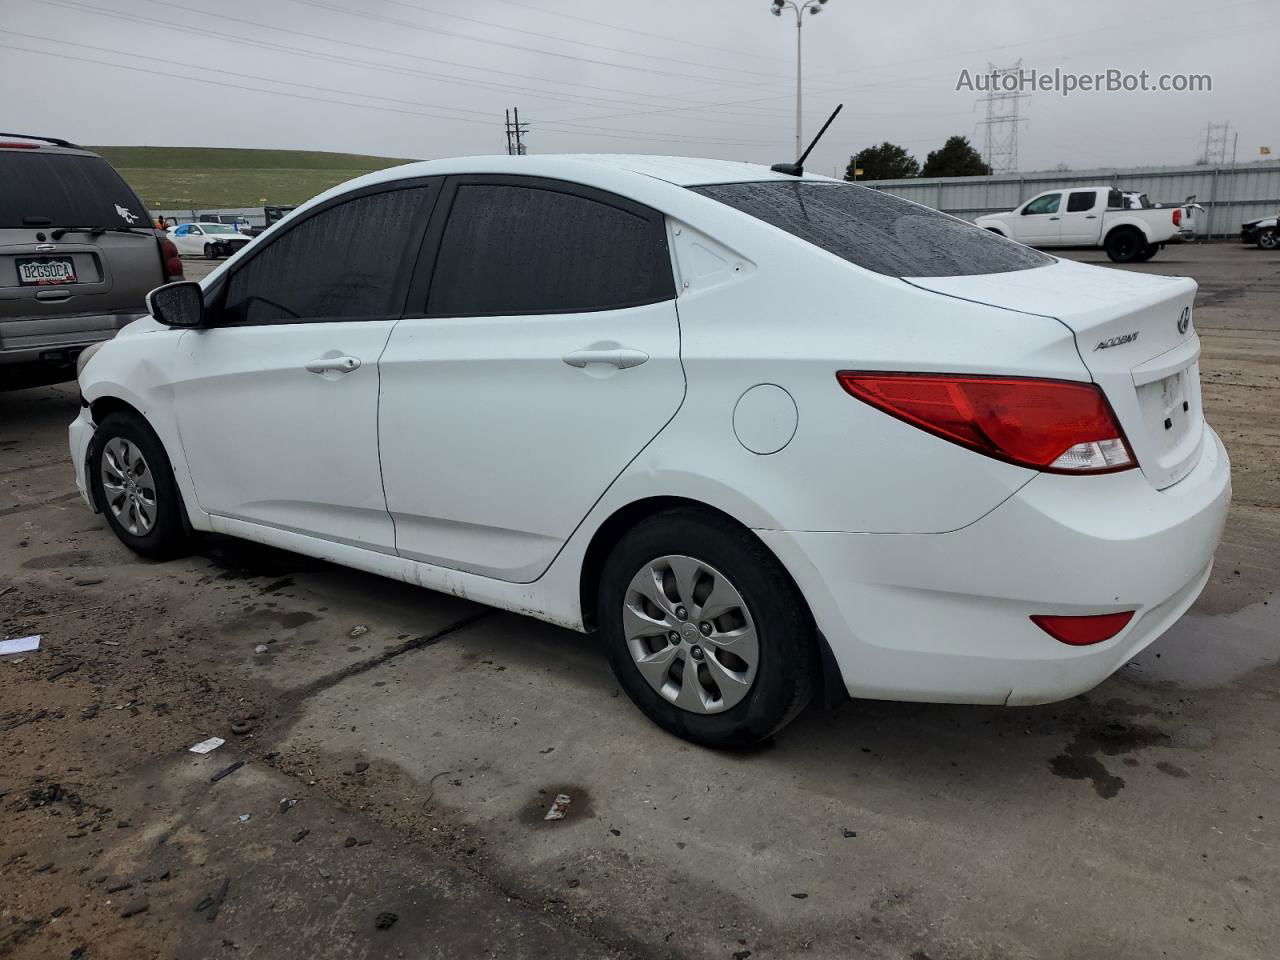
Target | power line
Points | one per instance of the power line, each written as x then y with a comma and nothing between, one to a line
282,93
382,67
562,39
436,31
631,31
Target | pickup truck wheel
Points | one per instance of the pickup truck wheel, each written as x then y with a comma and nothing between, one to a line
1125,245
1147,253
1268,240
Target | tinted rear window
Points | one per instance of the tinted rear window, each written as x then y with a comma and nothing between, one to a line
70,190
876,230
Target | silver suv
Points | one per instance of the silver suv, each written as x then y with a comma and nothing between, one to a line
78,254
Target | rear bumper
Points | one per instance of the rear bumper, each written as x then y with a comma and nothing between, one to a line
946,617
56,340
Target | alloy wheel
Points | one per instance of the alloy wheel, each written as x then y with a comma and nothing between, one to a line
129,487
690,634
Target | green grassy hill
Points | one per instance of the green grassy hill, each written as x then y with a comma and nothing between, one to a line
213,177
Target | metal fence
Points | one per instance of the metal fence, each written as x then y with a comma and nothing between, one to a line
1230,195
254,215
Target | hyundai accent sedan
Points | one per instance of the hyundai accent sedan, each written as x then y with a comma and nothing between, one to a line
770,435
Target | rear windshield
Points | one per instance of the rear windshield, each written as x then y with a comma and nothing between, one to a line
876,230
41,188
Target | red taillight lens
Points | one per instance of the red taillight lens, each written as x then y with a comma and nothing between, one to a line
172,262
1082,631
1177,216
1053,425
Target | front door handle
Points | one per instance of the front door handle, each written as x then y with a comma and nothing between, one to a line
334,365
615,355
1092,216
1055,218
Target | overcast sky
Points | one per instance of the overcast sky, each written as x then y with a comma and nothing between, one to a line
430,78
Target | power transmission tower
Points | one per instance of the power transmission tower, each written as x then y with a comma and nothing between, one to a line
515,133
1001,149
1215,144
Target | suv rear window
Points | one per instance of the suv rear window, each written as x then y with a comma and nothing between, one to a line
71,190
876,230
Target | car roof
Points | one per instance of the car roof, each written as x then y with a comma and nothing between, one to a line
621,173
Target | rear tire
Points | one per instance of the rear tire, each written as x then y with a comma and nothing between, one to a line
717,587
1148,252
132,483
1125,245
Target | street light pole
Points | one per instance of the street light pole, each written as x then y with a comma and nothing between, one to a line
799,9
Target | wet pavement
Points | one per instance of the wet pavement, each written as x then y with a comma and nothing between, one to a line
1136,821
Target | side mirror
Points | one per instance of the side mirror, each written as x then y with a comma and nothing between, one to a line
178,304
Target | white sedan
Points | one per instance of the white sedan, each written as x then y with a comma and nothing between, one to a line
209,240
768,434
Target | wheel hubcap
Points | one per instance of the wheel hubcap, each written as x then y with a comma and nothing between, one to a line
690,633
129,487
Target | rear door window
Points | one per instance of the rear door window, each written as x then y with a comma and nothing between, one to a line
44,188
876,230
1081,200
350,261
515,248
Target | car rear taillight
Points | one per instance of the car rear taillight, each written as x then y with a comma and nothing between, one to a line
1058,426
1177,216
172,262
1083,631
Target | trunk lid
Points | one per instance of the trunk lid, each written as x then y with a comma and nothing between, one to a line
1135,336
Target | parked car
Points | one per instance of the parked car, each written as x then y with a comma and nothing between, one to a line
1089,217
210,240
1262,232
77,257
686,402
235,220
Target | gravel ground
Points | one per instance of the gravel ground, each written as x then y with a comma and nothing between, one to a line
399,749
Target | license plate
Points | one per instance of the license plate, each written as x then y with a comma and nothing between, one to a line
46,270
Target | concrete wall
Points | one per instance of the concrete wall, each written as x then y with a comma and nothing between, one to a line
1230,196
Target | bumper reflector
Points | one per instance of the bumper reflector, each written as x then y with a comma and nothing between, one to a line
1082,631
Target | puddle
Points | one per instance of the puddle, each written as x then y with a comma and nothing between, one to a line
1201,652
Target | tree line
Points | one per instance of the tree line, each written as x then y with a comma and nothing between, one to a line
888,161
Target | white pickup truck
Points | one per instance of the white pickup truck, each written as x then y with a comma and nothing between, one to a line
1091,217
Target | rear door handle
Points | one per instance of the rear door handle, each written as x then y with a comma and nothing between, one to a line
1055,218
334,365
1092,216
613,354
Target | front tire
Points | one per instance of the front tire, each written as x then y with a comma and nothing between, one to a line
1125,245
132,483
705,630
1268,240
210,253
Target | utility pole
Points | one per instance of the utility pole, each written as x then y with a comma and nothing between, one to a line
1001,150
799,7
515,133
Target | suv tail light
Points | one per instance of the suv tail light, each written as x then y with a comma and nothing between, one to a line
172,262
1058,426
1177,216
